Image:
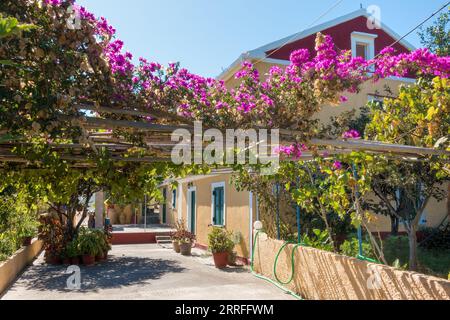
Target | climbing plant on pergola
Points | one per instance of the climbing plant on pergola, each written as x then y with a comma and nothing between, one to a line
77,116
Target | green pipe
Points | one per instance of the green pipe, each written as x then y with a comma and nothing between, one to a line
292,262
268,279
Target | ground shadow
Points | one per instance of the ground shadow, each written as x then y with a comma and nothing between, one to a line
117,272
237,269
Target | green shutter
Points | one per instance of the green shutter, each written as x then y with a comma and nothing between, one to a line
164,207
219,196
193,211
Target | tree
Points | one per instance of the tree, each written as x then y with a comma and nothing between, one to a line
53,69
419,117
57,70
437,36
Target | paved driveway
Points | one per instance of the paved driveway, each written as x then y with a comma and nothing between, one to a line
145,272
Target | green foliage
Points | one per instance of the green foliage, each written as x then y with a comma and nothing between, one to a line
72,249
10,26
435,238
220,240
437,36
420,117
319,240
17,221
89,242
351,248
8,244
431,261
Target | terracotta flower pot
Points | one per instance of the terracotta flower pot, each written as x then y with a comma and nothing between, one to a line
88,260
185,249
54,260
176,246
220,259
27,241
101,256
75,261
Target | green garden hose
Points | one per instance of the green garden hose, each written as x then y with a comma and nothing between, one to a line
268,279
363,258
292,262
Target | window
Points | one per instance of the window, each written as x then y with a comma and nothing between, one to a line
363,45
218,204
361,50
174,198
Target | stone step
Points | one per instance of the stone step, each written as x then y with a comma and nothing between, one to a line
163,238
164,242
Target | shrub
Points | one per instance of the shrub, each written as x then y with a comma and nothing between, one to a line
396,248
8,244
219,240
72,249
435,238
431,261
351,248
89,242
319,240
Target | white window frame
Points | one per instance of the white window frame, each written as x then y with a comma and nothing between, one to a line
188,205
213,186
364,38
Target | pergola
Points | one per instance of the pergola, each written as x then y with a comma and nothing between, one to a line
157,140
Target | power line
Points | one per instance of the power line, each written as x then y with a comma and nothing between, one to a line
416,27
293,37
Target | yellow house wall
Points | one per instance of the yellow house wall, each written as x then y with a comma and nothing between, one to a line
435,213
237,210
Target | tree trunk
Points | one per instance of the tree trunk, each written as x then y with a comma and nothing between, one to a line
412,235
330,230
394,225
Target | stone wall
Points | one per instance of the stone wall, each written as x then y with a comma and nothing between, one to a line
321,275
11,268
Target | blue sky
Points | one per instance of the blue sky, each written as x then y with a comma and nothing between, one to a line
208,35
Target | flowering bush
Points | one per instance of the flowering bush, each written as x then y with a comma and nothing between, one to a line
56,68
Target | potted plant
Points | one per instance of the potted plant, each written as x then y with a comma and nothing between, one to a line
220,244
175,242
103,245
73,253
89,247
176,235
186,240
51,232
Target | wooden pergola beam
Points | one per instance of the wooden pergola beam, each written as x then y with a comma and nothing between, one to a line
364,145
156,114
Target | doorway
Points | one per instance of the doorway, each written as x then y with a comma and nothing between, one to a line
192,209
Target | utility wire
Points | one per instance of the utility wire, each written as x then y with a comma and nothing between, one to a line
416,27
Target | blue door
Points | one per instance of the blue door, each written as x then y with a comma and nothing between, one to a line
218,206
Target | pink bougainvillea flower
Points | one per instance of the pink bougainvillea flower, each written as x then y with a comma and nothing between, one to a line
351,134
299,57
337,165
343,99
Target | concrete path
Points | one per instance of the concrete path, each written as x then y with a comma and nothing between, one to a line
144,272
